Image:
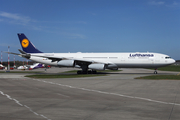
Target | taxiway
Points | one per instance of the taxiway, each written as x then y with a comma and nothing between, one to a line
117,96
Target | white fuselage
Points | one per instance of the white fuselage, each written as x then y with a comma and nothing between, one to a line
121,60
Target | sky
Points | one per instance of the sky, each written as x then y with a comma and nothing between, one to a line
92,26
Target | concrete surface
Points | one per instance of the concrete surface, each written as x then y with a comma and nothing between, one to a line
117,96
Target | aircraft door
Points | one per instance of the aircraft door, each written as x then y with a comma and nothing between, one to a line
122,59
151,59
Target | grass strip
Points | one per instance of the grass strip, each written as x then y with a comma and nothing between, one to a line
170,68
161,77
64,76
75,71
21,72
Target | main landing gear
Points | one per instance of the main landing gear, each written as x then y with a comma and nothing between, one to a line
155,72
87,72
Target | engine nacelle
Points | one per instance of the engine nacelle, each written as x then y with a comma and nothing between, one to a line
97,66
112,67
66,63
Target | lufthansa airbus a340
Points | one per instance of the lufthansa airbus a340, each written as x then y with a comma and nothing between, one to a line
90,62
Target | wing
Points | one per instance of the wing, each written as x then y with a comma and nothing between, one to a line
77,60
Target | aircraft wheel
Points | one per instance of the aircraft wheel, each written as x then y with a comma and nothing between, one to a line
94,72
89,72
79,72
155,72
84,72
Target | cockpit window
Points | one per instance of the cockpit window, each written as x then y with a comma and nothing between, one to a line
167,57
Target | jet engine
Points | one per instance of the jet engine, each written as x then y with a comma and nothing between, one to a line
66,63
97,66
112,67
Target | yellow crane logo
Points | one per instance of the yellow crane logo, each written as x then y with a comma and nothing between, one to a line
25,43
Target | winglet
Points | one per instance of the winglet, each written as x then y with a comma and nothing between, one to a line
26,45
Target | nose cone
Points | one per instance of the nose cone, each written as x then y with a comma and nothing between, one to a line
172,61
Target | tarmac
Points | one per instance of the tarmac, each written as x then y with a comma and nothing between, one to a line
117,96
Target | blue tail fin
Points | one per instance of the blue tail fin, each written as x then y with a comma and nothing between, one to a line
26,45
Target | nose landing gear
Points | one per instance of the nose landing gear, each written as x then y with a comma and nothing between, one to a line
155,72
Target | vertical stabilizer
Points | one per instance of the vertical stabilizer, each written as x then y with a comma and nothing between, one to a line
26,45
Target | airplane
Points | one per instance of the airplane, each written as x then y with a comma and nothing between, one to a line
90,62
2,67
35,66
22,67
31,67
